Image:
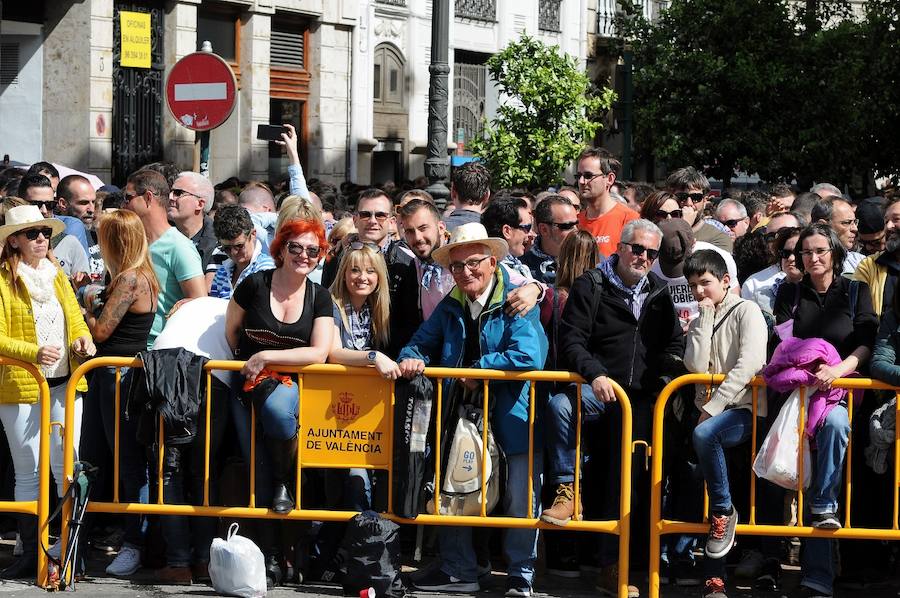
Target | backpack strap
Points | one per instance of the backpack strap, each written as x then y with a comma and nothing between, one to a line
853,292
725,317
597,279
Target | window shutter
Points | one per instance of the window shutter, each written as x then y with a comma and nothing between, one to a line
287,48
9,64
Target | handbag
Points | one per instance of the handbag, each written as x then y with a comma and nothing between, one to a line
777,460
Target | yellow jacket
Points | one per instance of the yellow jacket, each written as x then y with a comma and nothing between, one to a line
875,275
18,339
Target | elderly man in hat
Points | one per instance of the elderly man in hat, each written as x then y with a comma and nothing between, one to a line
470,328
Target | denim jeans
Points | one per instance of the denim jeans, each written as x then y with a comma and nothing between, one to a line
560,426
101,400
725,430
519,545
828,460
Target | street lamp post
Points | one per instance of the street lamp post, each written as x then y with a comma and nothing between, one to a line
436,164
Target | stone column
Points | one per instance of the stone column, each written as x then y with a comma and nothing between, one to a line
101,98
256,31
180,40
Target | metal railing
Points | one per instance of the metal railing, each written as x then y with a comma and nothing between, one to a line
548,15
392,2
478,10
40,507
660,526
314,378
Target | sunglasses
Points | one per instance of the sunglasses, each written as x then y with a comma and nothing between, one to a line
664,215
357,245
32,233
588,176
177,193
732,223
368,215
683,197
44,204
786,254
564,225
297,249
525,228
638,249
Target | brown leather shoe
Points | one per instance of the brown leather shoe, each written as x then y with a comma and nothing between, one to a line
200,573
563,508
608,582
173,576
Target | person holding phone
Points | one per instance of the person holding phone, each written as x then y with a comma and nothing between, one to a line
40,323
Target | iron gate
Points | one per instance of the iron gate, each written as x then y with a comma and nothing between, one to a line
137,98
469,85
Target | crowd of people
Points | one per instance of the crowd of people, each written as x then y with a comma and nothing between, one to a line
614,281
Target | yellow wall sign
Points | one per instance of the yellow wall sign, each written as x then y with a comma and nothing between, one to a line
135,28
345,421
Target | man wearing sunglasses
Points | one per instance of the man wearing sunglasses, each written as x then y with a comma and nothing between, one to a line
190,200
619,324
602,215
556,219
733,215
691,188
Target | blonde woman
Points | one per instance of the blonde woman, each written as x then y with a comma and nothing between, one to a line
40,323
361,327
121,325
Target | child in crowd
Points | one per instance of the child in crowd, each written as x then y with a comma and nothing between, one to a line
728,337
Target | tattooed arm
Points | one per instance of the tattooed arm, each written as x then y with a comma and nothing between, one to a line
129,288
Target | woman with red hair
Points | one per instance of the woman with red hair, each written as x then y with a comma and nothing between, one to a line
280,317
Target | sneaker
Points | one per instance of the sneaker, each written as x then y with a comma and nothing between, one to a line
721,534
825,521
126,562
608,583
686,573
769,576
808,592
19,548
562,566
714,588
485,569
517,586
438,581
750,565
563,508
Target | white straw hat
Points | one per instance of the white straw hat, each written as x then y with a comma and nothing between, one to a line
20,218
472,233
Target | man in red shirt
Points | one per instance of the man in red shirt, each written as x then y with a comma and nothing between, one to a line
602,216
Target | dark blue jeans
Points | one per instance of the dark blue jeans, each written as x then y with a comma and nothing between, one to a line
560,426
725,430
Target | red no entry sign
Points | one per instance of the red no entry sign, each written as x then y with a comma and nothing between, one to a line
200,91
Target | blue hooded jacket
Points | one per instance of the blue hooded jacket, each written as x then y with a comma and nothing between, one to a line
507,343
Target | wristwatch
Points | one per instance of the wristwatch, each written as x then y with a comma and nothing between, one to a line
371,356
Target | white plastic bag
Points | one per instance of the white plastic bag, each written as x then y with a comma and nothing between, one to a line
777,458
236,566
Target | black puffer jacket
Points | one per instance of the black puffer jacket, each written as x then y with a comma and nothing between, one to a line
599,335
172,384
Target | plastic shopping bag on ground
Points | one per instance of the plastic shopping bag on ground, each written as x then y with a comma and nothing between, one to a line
236,566
777,458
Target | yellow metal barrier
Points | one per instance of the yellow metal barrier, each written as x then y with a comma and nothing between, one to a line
41,506
326,384
660,526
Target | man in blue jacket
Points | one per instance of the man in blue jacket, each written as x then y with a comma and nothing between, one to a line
469,328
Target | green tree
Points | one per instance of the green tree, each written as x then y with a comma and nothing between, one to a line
548,109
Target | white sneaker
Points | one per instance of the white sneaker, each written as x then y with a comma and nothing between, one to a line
19,549
126,562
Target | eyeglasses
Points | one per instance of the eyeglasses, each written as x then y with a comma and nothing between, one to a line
564,225
786,254
233,248
638,249
312,252
472,265
357,245
732,223
177,193
683,197
853,222
48,205
818,252
32,233
368,215
588,176
525,228
664,215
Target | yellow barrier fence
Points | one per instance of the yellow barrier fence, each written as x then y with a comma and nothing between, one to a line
41,506
660,526
358,400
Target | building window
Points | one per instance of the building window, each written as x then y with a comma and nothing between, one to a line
387,78
478,10
221,26
289,81
469,85
548,15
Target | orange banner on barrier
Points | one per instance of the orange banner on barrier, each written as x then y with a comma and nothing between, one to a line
344,421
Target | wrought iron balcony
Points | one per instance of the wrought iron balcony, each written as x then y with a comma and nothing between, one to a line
478,10
548,15
392,2
608,9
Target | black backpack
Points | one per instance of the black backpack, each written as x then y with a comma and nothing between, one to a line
410,468
371,555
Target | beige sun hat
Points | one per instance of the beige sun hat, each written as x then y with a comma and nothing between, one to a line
20,218
472,233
